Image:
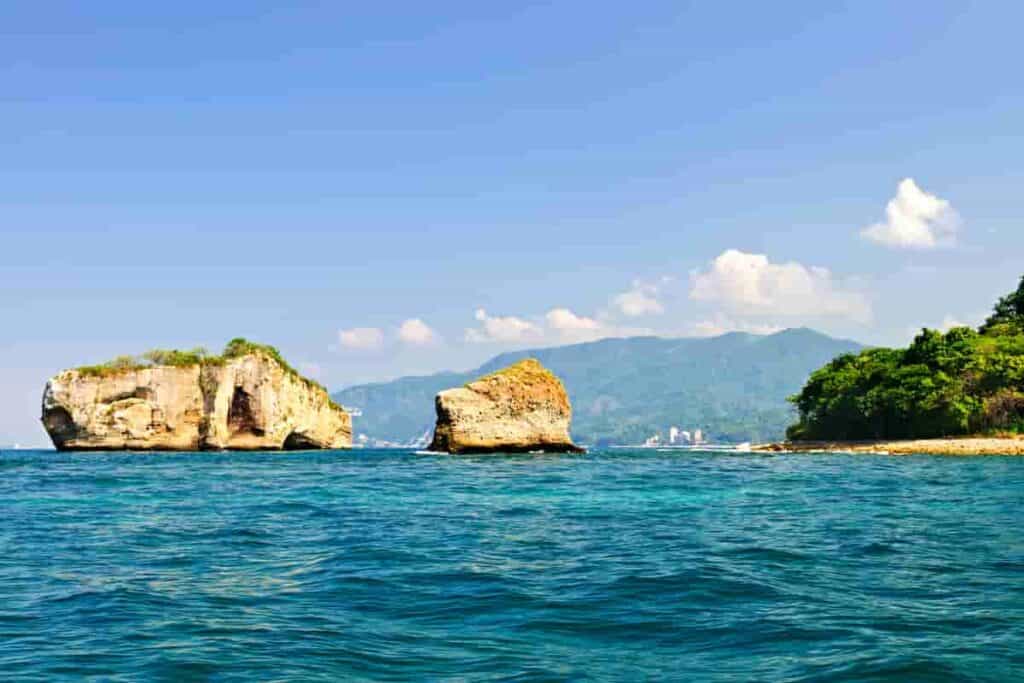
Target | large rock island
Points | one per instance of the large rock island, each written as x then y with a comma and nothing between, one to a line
248,398
519,409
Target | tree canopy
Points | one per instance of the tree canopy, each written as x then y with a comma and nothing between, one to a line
944,384
1009,310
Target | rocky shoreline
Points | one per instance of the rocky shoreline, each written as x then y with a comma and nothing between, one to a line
972,445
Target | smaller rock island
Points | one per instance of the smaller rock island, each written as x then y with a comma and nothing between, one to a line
248,398
518,409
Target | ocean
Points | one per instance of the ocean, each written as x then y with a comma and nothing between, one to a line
616,565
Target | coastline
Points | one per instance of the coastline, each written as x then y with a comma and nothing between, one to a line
968,445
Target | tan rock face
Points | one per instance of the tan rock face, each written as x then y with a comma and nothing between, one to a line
519,409
246,403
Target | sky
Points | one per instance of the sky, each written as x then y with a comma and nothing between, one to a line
389,188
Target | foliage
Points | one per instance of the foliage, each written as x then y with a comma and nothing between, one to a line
115,366
960,382
1009,310
239,346
151,359
622,391
198,356
526,370
176,358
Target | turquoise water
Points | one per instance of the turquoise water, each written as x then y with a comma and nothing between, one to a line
611,566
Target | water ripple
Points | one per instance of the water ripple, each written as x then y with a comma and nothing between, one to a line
611,566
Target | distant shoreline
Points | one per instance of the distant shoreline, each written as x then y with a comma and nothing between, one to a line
969,445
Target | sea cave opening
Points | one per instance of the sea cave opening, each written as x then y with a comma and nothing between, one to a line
241,416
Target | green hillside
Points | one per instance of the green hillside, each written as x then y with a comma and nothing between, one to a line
734,387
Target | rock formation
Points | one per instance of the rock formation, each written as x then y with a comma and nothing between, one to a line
250,400
519,409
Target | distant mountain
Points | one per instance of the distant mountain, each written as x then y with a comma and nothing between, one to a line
733,387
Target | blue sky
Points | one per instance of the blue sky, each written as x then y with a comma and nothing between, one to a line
506,174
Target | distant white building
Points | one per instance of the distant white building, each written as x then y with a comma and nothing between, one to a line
653,441
698,436
673,434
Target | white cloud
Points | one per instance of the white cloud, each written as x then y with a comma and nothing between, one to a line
563,319
915,219
363,338
720,324
502,329
416,332
571,327
640,300
560,325
750,284
949,322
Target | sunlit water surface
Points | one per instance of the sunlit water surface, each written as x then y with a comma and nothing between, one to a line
618,565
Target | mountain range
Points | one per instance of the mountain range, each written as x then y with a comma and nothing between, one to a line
733,387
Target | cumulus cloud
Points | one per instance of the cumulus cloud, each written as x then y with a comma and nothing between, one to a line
915,219
720,324
641,299
416,332
564,319
949,322
362,338
750,284
502,329
569,326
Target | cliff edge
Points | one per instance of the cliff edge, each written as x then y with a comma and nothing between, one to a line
519,409
246,399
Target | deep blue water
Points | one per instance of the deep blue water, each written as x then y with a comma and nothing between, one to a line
610,566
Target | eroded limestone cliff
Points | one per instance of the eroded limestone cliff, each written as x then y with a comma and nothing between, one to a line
521,408
247,402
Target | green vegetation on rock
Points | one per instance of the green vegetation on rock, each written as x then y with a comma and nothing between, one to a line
525,370
199,356
156,357
952,384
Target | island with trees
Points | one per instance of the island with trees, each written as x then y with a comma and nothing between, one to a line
959,391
